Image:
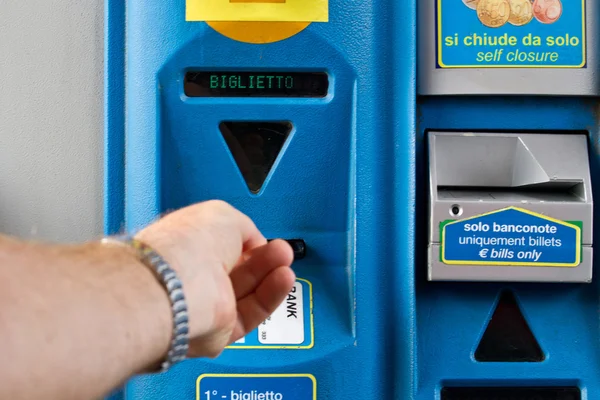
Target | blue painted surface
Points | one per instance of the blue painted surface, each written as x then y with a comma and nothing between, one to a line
511,237
352,183
465,41
114,117
256,388
451,317
344,182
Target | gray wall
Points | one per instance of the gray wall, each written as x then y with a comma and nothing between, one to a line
51,119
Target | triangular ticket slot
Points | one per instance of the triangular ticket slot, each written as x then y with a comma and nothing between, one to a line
255,147
508,337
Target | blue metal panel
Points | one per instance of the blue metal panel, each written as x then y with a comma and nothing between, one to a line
452,317
351,181
345,180
114,117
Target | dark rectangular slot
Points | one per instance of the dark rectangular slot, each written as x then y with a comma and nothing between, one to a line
512,393
547,191
255,84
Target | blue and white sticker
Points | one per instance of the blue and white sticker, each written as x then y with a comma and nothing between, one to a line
256,387
511,237
511,34
289,327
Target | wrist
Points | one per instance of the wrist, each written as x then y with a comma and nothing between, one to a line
172,288
175,249
145,306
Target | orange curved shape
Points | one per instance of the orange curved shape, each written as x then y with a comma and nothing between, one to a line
258,32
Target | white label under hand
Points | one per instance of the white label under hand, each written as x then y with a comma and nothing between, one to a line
286,324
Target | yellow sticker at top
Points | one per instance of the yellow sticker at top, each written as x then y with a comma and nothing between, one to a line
257,10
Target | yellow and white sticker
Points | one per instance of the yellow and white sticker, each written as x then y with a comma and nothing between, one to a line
258,21
289,327
258,10
286,324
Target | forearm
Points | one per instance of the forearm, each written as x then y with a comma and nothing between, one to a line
76,321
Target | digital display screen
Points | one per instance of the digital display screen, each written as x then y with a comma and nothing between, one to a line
256,84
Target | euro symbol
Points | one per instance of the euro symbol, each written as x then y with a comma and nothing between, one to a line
483,253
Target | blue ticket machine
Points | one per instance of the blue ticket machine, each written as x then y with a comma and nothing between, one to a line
507,157
300,114
433,163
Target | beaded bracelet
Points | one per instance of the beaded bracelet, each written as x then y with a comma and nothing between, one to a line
170,281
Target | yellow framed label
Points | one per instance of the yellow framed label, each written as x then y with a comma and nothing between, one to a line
511,236
258,11
511,34
256,387
290,327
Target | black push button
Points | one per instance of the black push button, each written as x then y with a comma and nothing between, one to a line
299,247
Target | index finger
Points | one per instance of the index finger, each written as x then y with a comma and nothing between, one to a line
249,237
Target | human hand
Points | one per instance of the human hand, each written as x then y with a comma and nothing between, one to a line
232,278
